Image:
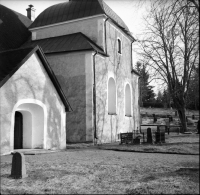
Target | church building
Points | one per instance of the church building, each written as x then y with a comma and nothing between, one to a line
89,49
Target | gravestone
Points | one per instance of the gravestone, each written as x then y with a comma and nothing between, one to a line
18,170
154,118
170,118
149,136
146,114
160,136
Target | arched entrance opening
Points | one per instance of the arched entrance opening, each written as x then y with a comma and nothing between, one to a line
29,125
18,131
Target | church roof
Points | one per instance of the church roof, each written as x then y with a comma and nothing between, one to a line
66,43
13,29
12,60
76,9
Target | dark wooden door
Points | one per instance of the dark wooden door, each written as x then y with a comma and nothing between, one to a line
18,131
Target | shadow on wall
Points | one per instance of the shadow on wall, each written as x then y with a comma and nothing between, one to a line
75,89
54,115
22,88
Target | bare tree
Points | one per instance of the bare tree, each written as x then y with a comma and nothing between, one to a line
171,48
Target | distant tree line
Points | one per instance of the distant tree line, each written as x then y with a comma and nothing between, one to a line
163,99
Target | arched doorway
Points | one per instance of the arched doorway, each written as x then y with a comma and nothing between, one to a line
29,125
18,131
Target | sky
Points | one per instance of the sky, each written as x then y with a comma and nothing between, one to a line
130,11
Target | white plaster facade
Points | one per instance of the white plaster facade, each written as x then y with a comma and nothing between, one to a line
75,73
84,78
31,92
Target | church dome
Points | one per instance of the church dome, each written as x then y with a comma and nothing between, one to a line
13,29
76,9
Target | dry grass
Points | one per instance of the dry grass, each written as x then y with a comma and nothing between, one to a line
93,171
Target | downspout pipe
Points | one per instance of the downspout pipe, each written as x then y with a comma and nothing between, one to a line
132,54
105,37
94,98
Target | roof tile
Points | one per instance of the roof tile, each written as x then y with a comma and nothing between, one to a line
67,43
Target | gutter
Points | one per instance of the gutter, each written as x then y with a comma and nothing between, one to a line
105,38
94,98
131,55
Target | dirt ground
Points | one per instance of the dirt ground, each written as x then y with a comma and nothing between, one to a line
90,170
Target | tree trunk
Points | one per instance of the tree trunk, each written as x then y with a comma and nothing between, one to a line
182,117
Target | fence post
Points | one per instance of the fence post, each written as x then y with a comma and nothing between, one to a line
143,137
149,136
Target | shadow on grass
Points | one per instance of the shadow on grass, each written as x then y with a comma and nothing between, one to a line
152,183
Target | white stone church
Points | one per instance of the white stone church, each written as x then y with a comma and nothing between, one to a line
66,77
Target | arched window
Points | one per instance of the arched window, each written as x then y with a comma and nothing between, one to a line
119,46
111,96
127,100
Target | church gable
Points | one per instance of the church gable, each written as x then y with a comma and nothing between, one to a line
15,60
29,90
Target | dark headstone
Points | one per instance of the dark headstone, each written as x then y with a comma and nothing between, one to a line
160,137
170,119
18,166
149,136
176,113
193,117
154,118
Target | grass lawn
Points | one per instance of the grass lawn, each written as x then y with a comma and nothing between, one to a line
89,170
